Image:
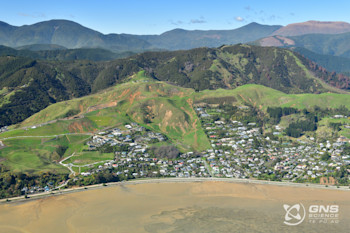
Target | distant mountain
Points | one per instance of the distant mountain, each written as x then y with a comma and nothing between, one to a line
330,44
319,37
72,35
313,27
184,39
27,86
331,63
68,34
323,38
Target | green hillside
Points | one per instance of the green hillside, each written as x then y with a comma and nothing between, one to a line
163,107
40,47
27,86
158,106
263,97
53,53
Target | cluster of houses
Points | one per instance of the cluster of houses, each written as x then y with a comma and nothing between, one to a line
133,159
145,166
238,150
241,151
135,137
3,129
37,189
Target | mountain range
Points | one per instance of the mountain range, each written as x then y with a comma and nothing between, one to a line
73,35
64,34
67,40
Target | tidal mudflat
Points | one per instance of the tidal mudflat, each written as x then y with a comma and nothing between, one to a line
209,206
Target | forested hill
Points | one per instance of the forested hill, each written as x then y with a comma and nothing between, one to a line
27,86
92,54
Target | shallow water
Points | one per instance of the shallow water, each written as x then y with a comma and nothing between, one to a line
174,207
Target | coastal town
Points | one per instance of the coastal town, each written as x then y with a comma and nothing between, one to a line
241,146
239,150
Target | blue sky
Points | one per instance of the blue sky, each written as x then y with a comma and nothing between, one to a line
155,16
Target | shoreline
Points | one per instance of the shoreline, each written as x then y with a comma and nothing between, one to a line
167,180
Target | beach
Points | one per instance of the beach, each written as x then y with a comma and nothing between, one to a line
202,206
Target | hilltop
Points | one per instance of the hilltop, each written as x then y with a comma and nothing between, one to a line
313,27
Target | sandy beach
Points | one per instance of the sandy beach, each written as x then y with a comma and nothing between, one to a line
206,206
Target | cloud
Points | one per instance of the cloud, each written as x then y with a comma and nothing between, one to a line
178,22
248,8
35,15
239,19
198,21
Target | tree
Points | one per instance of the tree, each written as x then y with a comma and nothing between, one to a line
325,156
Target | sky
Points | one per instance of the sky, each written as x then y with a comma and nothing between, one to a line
158,16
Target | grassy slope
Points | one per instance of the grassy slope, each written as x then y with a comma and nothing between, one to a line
169,108
156,105
258,95
343,131
88,157
35,155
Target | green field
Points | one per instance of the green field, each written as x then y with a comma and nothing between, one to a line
258,95
35,155
324,123
29,155
88,157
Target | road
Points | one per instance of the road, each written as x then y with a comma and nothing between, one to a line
208,168
69,166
